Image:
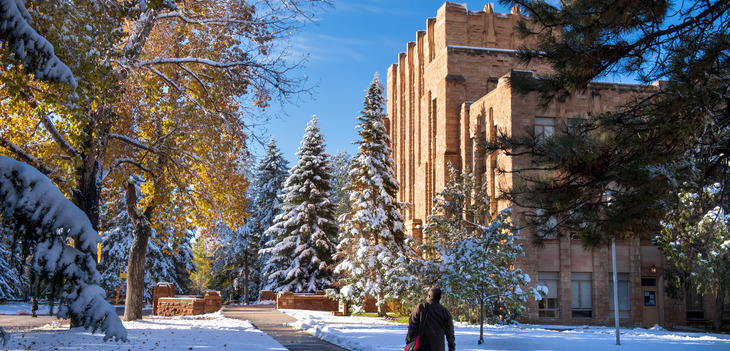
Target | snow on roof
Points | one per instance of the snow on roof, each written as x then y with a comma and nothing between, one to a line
457,4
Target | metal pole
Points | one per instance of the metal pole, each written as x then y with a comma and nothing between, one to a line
615,291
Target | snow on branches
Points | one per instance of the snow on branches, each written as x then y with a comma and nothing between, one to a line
30,48
478,250
373,246
304,234
43,221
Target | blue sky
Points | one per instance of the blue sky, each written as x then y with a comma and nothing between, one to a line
347,44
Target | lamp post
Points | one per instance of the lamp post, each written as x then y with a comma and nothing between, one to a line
615,291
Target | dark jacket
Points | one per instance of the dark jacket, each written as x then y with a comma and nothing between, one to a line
438,323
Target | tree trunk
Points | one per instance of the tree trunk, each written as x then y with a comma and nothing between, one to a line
381,307
719,306
481,321
137,254
87,191
245,287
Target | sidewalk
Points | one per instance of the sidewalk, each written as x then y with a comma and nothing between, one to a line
13,323
271,321
18,322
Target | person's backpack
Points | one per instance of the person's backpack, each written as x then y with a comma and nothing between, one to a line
417,343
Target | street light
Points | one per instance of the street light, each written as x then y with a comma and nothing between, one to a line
615,291
653,269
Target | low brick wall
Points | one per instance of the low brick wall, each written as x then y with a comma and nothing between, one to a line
166,303
316,302
267,295
159,291
180,306
213,301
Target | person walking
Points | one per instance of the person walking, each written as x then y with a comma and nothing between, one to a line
437,323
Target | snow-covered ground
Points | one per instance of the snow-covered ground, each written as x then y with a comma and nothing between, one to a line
213,331
369,334
208,331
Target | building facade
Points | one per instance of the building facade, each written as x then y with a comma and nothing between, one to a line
449,91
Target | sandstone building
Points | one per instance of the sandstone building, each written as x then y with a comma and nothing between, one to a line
450,90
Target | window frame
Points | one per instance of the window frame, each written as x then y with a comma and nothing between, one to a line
623,283
582,280
544,306
544,127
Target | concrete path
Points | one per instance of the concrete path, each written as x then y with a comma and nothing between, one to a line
271,321
13,323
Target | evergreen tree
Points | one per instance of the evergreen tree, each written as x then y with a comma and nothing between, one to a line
304,234
183,263
42,221
341,182
373,248
238,270
116,241
159,263
476,252
12,280
223,272
695,239
270,174
611,176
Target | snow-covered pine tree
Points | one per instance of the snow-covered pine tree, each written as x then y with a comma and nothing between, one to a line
304,234
341,182
159,263
695,239
11,278
223,272
238,271
183,262
271,173
373,248
477,251
116,241
30,49
246,260
42,221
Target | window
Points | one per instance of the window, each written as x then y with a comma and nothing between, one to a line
624,310
548,306
573,122
544,127
581,295
576,121
694,305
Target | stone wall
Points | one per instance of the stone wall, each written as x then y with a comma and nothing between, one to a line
213,301
180,306
315,302
267,295
159,291
166,303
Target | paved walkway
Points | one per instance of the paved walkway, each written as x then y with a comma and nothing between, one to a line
271,321
13,323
